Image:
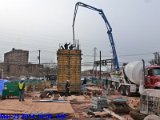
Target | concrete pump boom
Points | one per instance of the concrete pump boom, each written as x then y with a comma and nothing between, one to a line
109,30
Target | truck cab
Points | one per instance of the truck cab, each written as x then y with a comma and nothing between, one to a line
152,77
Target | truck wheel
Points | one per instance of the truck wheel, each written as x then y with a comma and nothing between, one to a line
122,90
127,91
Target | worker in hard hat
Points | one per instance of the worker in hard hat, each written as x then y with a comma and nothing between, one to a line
84,85
21,87
112,87
67,88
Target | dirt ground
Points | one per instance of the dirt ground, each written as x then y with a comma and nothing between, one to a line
76,106
10,106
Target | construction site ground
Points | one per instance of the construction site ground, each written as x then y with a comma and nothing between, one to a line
80,109
13,106
75,106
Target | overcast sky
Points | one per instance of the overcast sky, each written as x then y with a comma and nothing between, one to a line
43,24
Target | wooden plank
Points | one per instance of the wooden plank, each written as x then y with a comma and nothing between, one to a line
56,101
113,114
101,114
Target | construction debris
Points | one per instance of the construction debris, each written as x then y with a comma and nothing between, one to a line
119,105
99,102
136,115
113,114
152,117
134,103
94,91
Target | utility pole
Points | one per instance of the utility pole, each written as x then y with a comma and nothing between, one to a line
95,53
39,59
100,67
94,66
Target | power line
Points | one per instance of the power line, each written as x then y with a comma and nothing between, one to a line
33,51
135,54
48,51
125,55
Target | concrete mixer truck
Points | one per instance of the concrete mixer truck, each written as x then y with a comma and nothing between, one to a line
134,74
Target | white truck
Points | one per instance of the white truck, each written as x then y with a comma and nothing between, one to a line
145,80
135,76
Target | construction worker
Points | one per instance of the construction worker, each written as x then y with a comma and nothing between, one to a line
71,47
66,46
62,47
84,81
21,87
84,85
67,87
112,87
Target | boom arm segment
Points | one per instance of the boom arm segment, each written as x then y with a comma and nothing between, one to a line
109,30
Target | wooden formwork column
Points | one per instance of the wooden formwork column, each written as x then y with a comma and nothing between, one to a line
69,67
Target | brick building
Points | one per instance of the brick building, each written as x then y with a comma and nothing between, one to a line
16,56
24,70
16,64
2,66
